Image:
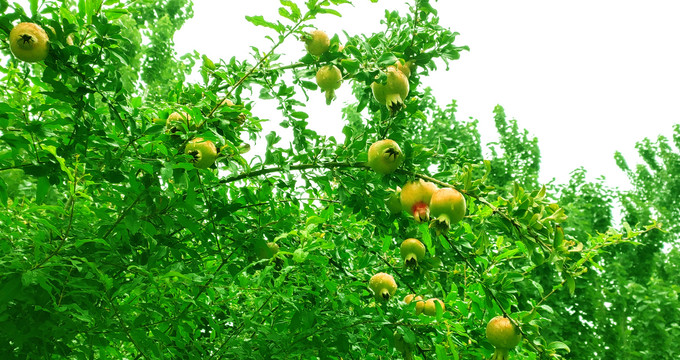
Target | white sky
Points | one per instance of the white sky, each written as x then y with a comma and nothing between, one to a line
586,77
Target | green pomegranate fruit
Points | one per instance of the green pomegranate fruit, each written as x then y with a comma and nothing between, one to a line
420,304
415,198
329,79
267,251
29,42
203,151
430,307
179,122
412,251
317,42
503,335
393,202
447,206
383,286
394,92
69,37
385,156
406,68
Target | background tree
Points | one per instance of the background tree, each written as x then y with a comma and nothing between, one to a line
116,245
626,306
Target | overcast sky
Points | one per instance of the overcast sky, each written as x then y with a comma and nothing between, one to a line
587,78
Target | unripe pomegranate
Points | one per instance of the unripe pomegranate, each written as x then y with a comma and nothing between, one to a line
203,151
179,122
385,156
267,251
317,42
420,304
406,67
29,42
430,307
447,207
412,251
329,78
393,202
503,335
383,286
394,92
69,37
415,198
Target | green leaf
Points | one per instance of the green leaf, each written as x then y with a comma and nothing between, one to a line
387,59
6,109
294,14
62,163
10,288
42,188
355,52
34,7
386,243
329,11
30,277
3,192
81,242
308,85
299,115
285,13
350,65
315,220
570,284
427,237
441,352
260,21
506,254
299,255
558,345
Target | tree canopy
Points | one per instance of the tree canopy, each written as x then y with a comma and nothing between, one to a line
136,223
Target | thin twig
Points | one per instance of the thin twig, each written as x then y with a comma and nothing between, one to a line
122,216
250,72
321,165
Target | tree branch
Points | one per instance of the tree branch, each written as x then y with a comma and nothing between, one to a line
321,165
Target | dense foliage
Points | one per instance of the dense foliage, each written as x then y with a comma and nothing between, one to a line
114,245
